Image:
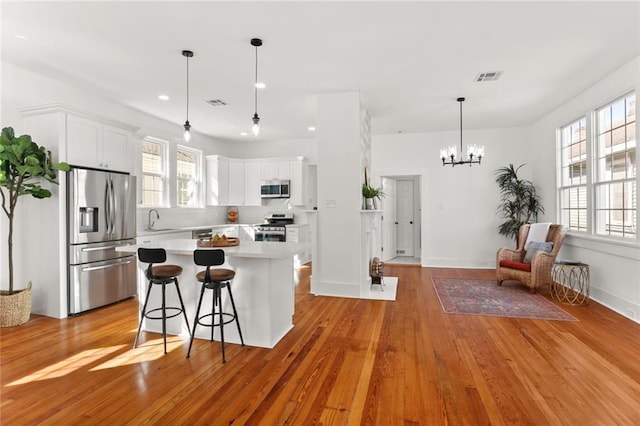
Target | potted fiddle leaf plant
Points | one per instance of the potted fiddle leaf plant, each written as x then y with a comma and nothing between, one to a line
370,194
23,167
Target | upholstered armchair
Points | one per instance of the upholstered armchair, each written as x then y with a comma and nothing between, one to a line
511,264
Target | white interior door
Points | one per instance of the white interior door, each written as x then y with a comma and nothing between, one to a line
405,243
389,219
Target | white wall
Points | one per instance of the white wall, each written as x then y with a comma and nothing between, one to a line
458,204
614,267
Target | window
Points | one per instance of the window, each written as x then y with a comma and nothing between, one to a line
573,175
154,159
615,178
597,177
188,167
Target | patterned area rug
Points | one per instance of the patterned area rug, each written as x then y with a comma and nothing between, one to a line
485,297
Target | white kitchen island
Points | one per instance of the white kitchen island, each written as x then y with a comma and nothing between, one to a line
263,289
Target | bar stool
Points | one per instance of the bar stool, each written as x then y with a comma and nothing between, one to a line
160,275
214,279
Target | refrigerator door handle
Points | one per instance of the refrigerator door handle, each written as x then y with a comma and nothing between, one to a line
111,265
107,210
113,205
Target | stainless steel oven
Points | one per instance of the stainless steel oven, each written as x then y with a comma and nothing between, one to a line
274,227
270,233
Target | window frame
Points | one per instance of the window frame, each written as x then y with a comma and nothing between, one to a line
594,181
196,179
163,174
565,149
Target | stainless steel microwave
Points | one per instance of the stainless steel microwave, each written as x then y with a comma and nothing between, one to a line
274,189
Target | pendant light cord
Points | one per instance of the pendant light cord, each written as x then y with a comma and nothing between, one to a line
461,129
187,88
256,84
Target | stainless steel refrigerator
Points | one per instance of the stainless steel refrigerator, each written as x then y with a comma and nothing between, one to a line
101,216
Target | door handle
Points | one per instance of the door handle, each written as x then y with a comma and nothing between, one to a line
395,223
410,222
86,249
111,265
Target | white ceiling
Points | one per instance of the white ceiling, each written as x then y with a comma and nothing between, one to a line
409,60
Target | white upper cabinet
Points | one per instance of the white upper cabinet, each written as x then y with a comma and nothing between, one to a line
217,181
94,144
252,177
236,182
276,170
298,170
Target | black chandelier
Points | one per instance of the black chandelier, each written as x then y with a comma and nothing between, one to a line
474,152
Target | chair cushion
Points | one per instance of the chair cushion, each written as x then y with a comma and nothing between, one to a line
535,246
516,265
217,274
166,271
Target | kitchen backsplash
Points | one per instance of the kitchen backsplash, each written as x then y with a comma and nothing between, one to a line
188,217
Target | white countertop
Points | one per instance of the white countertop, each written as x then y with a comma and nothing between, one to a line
252,249
146,232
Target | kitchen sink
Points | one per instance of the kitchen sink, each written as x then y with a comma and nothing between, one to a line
159,229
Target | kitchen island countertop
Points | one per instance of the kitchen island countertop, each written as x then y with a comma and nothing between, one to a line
261,249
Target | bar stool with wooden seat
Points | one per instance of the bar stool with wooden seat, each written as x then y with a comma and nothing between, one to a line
214,279
161,275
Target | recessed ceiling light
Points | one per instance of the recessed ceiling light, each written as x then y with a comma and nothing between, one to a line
21,37
163,97
312,129
243,134
260,85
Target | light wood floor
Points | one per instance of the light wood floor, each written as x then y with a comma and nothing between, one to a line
346,362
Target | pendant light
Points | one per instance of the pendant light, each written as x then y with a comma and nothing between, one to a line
255,129
473,151
187,127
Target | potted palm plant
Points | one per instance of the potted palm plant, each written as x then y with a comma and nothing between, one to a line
519,201
23,166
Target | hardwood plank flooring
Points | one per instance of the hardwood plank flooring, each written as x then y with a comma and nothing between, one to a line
346,362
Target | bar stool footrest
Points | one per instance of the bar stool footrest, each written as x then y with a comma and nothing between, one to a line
177,311
216,315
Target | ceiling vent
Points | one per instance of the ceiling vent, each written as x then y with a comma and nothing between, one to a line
216,102
488,76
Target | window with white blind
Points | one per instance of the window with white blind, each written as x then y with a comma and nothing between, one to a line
154,172
188,177
615,178
573,175
597,190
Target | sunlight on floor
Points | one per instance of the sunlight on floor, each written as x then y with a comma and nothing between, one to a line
68,365
148,350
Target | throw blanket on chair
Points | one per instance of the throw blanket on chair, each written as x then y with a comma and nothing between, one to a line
537,232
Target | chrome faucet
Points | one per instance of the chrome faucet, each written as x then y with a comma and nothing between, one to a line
157,217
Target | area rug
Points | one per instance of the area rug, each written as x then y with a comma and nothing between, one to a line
485,297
